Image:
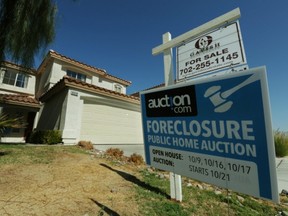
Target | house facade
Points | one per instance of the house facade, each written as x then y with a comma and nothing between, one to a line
17,91
82,101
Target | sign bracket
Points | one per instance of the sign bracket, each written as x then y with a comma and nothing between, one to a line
213,24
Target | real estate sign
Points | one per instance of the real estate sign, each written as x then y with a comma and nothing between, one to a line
216,130
219,49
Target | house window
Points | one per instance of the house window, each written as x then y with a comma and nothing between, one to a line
15,79
118,88
16,127
75,75
21,80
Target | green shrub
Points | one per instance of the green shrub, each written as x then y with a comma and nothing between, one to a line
281,143
45,137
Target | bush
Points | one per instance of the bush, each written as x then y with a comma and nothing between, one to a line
115,152
45,137
86,145
136,159
281,143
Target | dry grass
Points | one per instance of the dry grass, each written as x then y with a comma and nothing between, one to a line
136,159
281,143
65,180
118,154
70,184
115,152
87,145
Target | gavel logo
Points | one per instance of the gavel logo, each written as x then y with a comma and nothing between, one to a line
219,99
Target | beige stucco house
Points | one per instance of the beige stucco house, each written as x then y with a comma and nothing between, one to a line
82,101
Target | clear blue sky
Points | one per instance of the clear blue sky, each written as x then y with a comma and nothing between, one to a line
118,36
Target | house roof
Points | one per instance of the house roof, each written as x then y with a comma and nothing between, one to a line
20,100
54,55
17,67
67,81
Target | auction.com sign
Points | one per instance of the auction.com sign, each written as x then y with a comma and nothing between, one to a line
216,131
216,50
172,103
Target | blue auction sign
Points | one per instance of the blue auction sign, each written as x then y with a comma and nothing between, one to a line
216,130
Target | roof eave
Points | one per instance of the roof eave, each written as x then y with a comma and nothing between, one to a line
18,103
18,67
54,55
64,82
104,93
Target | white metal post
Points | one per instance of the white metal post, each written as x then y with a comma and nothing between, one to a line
168,61
175,180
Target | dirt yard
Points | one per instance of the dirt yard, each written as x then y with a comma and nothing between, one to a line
73,184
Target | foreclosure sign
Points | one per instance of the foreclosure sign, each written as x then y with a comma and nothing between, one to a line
216,130
219,49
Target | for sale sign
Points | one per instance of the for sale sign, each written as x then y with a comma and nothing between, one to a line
216,130
220,49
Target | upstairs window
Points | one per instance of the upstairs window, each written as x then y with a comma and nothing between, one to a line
21,80
75,75
118,88
15,79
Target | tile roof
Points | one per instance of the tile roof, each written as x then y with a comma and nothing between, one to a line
102,72
67,81
19,99
12,65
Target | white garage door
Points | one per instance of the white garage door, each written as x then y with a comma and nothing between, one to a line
106,124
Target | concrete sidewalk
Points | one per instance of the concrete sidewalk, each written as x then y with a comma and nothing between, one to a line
282,173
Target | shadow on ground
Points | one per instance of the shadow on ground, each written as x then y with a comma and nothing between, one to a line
2,153
135,180
105,208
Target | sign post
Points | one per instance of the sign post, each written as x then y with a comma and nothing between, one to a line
218,129
166,49
175,180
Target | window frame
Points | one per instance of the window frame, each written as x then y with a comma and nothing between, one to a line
14,114
118,88
76,75
17,79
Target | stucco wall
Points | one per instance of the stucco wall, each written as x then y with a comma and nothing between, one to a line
73,115
58,69
52,113
64,110
30,89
